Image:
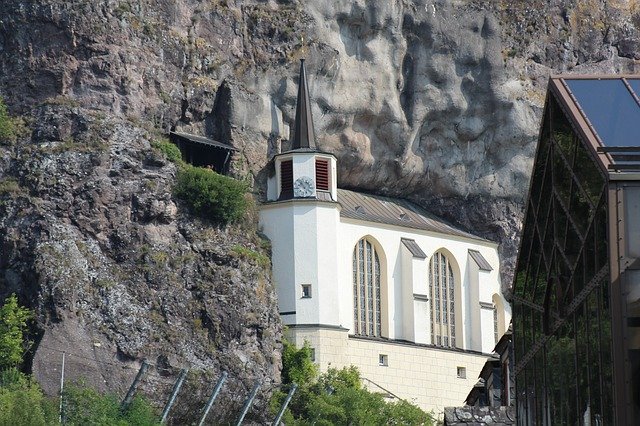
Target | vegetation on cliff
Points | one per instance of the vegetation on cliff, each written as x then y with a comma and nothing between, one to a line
22,402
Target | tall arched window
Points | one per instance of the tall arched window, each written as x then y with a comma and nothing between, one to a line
366,290
442,296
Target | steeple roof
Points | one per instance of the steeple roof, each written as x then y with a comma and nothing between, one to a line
304,136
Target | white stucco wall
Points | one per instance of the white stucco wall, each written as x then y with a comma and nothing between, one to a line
304,257
388,239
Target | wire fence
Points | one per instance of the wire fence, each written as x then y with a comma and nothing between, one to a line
183,396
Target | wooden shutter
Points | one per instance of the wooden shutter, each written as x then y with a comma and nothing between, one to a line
286,179
322,175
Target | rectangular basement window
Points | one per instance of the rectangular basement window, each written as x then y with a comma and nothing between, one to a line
462,372
383,360
306,291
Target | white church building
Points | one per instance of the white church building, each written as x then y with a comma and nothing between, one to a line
378,282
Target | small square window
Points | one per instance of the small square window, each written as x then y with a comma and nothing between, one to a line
306,291
383,360
462,372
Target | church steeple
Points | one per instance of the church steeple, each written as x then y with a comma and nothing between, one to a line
304,135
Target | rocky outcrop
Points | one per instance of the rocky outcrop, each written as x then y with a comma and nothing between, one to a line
117,271
437,101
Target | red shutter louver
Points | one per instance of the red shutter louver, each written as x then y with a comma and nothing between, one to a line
322,175
286,179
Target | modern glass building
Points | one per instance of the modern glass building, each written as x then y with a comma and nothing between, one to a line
576,302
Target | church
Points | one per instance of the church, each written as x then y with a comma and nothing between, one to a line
378,282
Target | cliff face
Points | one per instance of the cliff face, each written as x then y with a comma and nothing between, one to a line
118,272
436,101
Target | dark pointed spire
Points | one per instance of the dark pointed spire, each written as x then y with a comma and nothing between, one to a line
304,135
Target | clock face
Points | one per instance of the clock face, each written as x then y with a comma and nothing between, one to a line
303,187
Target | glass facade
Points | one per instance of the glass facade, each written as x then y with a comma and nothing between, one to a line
562,305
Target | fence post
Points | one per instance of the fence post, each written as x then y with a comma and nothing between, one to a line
174,393
132,389
285,404
248,403
213,397
61,385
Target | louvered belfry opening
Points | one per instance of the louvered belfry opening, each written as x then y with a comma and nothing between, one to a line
286,179
322,175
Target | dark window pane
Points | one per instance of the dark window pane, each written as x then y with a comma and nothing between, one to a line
561,131
610,108
591,179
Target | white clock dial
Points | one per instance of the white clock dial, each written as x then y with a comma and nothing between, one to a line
303,187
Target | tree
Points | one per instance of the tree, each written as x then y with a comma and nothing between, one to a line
13,325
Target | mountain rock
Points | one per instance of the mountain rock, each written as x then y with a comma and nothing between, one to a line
118,272
437,101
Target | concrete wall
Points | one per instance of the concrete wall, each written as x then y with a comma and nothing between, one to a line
422,375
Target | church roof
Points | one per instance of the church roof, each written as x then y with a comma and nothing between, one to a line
304,136
394,211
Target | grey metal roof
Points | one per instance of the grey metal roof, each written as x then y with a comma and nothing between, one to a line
304,135
480,260
414,248
202,140
394,211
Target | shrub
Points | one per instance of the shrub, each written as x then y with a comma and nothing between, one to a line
9,186
247,253
170,150
7,126
85,406
13,325
23,403
211,195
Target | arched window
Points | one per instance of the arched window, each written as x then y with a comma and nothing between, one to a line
442,297
366,290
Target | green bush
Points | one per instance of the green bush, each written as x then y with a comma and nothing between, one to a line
85,406
170,150
13,326
211,195
22,402
7,126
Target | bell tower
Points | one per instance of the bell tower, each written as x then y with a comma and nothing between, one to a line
303,171
301,218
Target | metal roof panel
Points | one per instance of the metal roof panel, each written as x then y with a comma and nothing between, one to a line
414,248
394,211
480,260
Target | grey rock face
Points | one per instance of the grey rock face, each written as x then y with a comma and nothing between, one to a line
437,101
117,272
